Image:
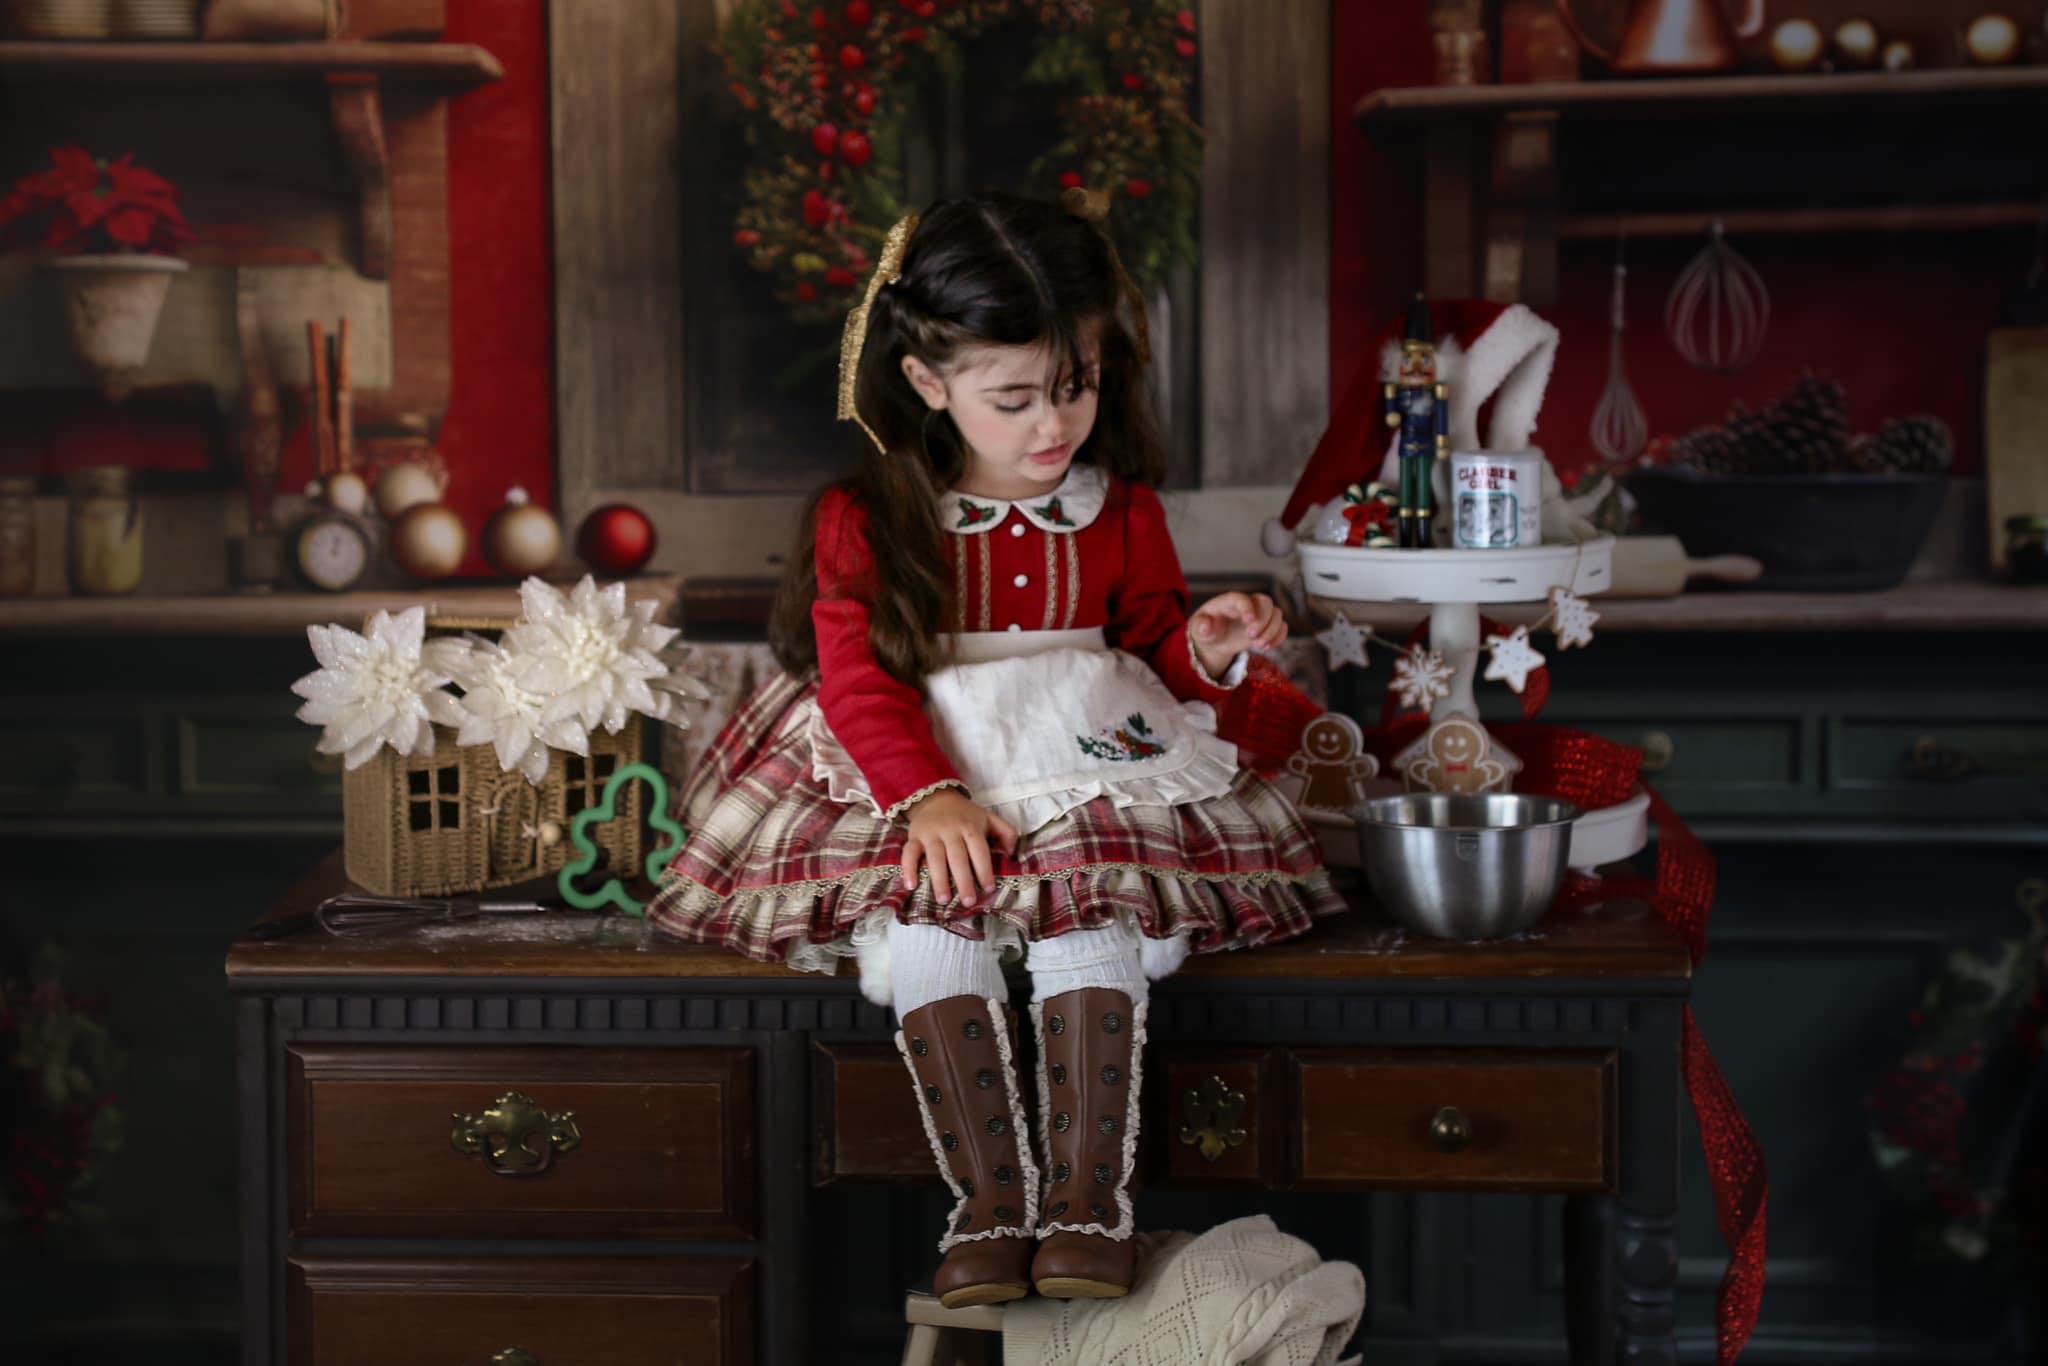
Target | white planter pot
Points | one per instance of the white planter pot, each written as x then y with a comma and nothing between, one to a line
113,303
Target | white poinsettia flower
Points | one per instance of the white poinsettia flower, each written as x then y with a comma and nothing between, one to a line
595,659
387,686
498,712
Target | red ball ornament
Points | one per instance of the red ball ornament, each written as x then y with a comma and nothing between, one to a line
817,208
858,13
1186,20
615,540
864,101
1137,189
855,148
852,58
1071,180
825,138
1185,47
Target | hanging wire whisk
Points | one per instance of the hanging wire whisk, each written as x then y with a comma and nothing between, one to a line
1620,428
1718,310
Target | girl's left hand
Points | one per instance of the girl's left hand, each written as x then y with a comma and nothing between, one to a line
1231,623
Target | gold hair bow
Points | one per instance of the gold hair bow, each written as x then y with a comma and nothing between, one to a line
886,270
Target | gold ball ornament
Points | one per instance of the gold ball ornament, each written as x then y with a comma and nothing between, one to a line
1857,44
521,539
427,541
1992,40
1898,56
405,485
549,834
346,492
1796,45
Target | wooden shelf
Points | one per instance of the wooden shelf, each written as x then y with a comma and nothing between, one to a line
279,614
1420,106
1605,227
453,63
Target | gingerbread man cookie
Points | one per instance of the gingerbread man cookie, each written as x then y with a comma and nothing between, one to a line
1456,755
1333,762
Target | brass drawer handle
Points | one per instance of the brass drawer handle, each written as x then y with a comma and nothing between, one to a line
1931,761
1209,1116
1450,1131
514,1356
1659,749
504,1136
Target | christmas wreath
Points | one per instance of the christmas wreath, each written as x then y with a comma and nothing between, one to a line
59,1118
824,93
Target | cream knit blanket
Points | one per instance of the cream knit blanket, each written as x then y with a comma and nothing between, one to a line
1242,1292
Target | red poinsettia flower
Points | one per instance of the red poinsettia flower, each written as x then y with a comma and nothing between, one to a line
82,203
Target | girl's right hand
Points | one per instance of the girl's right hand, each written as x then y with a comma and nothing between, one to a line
951,835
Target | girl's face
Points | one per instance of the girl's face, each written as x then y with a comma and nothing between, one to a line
1022,420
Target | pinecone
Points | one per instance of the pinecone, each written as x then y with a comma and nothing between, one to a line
1905,445
1709,450
1807,431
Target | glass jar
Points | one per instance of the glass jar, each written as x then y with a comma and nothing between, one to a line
17,536
2026,548
103,540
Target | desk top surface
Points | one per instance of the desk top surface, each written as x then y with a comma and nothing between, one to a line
1624,942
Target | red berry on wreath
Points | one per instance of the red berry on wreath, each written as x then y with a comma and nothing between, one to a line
1137,189
817,208
913,35
1133,81
820,20
1071,180
863,101
825,138
852,58
816,52
746,237
820,81
806,291
1185,47
926,9
856,148
789,9
858,13
839,277
1186,19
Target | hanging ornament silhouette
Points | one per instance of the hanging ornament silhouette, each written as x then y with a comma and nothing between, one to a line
1620,429
1718,310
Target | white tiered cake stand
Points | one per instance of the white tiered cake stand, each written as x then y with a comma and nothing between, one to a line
1454,585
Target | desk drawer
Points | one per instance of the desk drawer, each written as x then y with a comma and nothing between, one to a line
510,1140
521,1311
1455,1119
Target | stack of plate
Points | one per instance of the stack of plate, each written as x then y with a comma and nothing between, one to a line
156,18
56,18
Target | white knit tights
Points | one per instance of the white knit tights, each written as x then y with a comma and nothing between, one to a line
919,964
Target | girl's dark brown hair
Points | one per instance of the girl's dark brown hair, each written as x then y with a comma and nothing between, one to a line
991,269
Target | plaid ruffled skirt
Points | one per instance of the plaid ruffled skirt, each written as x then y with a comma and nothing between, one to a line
775,868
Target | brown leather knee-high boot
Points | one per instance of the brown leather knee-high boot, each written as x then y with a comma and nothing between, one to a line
962,1056
1090,1053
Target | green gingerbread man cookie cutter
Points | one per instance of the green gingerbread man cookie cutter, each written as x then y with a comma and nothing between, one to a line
613,892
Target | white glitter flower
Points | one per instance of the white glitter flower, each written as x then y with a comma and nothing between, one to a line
594,659
384,688
497,711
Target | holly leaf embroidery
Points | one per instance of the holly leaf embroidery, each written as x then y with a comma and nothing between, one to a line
1052,512
974,514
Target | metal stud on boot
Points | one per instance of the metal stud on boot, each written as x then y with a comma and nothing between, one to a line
1090,1051
961,1058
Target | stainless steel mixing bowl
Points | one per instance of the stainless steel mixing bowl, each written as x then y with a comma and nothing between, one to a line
1465,867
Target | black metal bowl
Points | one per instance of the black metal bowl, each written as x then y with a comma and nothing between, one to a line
1825,532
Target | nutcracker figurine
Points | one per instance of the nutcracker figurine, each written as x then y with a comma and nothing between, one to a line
1420,408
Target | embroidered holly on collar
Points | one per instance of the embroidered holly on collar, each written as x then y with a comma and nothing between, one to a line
974,514
1071,507
1051,511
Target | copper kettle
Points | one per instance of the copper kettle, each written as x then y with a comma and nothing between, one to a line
1672,37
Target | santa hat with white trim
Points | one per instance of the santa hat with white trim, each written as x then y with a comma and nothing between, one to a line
1486,351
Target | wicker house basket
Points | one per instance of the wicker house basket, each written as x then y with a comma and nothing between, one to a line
454,821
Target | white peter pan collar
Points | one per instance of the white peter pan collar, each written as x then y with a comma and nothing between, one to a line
1073,505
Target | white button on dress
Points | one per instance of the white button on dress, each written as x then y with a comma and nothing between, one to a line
1015,626
1016,528
1020,581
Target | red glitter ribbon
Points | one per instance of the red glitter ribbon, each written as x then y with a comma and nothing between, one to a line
1592,772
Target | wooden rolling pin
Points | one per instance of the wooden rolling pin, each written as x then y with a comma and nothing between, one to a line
1657,567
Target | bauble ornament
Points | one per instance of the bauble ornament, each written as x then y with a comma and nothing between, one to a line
346,492
1796,45
521,538
1857,44
405,485
427,541
1898,55
1992,40
616,539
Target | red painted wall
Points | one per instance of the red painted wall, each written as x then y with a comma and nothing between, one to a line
1900,321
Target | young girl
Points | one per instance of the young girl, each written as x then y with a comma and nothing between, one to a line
996,730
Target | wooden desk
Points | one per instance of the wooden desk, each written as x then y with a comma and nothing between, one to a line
714,1097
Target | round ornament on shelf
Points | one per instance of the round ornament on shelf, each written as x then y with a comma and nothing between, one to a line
404,485
616,539
521,538
1857,44
1796,45
427,541
1992,39
345,491
1899,56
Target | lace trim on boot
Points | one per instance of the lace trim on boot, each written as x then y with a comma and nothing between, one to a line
1126,1225
931,1134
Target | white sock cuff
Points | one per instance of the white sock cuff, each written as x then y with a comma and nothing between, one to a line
928,963
1106,958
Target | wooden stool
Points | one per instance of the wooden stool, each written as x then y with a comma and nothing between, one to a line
950,1337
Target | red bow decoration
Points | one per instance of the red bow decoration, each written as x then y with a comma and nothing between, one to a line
1365,518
